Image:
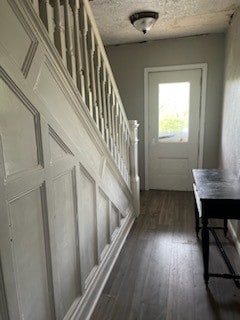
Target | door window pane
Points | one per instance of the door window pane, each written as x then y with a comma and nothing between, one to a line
173,106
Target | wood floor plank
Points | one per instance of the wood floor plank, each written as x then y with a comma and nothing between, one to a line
159,272
180,295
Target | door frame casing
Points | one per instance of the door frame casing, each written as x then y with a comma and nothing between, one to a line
203,67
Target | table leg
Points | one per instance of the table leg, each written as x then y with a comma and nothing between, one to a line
197,228
225,227
205,248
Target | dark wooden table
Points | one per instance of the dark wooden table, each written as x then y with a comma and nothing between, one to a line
217,196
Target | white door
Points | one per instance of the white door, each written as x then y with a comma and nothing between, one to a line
173,128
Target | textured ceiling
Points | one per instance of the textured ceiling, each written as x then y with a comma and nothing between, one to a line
177,18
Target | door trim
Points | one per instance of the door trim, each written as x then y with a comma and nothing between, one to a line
203,67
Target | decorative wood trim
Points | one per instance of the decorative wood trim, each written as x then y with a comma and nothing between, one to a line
90,298
104,196
75,203
99,274
36,5
87,174
104,252
73,173
47,244
89,278
203,67
15,89
109,221
49,199
46,240
118,214
77,106
97,219
29,58
70,89
17,185
59,141
113,210
34,43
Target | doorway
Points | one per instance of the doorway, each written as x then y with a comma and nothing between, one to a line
174,113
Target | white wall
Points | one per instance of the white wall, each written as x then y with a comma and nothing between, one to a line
128,63
230,146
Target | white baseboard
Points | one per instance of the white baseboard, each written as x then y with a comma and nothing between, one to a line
86,304
234,236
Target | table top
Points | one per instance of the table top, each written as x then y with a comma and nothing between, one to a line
213,184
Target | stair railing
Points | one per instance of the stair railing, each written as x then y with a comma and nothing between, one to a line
72,29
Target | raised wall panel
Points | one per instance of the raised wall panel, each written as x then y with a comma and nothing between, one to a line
65,228
114,220
16,37
87,226
54,94
19,129
118,194
27,220
58,148
103,222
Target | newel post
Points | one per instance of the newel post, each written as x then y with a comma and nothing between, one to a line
134,177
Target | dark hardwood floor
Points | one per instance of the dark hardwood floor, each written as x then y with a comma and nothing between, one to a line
159,273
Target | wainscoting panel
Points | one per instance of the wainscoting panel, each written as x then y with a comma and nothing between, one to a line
16,37
55,94
87,226
119,194
114,220
58,148
62,195
26,232
66,253
103,223
19,122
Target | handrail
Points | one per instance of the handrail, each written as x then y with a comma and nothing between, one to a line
72,28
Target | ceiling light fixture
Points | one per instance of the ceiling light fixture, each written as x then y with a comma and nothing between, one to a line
143,21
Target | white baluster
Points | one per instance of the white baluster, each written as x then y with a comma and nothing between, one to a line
117,131
84,29
99,91
92,74
78,49
46,13
121,142
109,92
104,99
69,41
59,34
128,155
113,112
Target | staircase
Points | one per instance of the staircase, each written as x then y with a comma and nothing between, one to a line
69,184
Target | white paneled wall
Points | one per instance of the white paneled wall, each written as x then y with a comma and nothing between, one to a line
65,208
